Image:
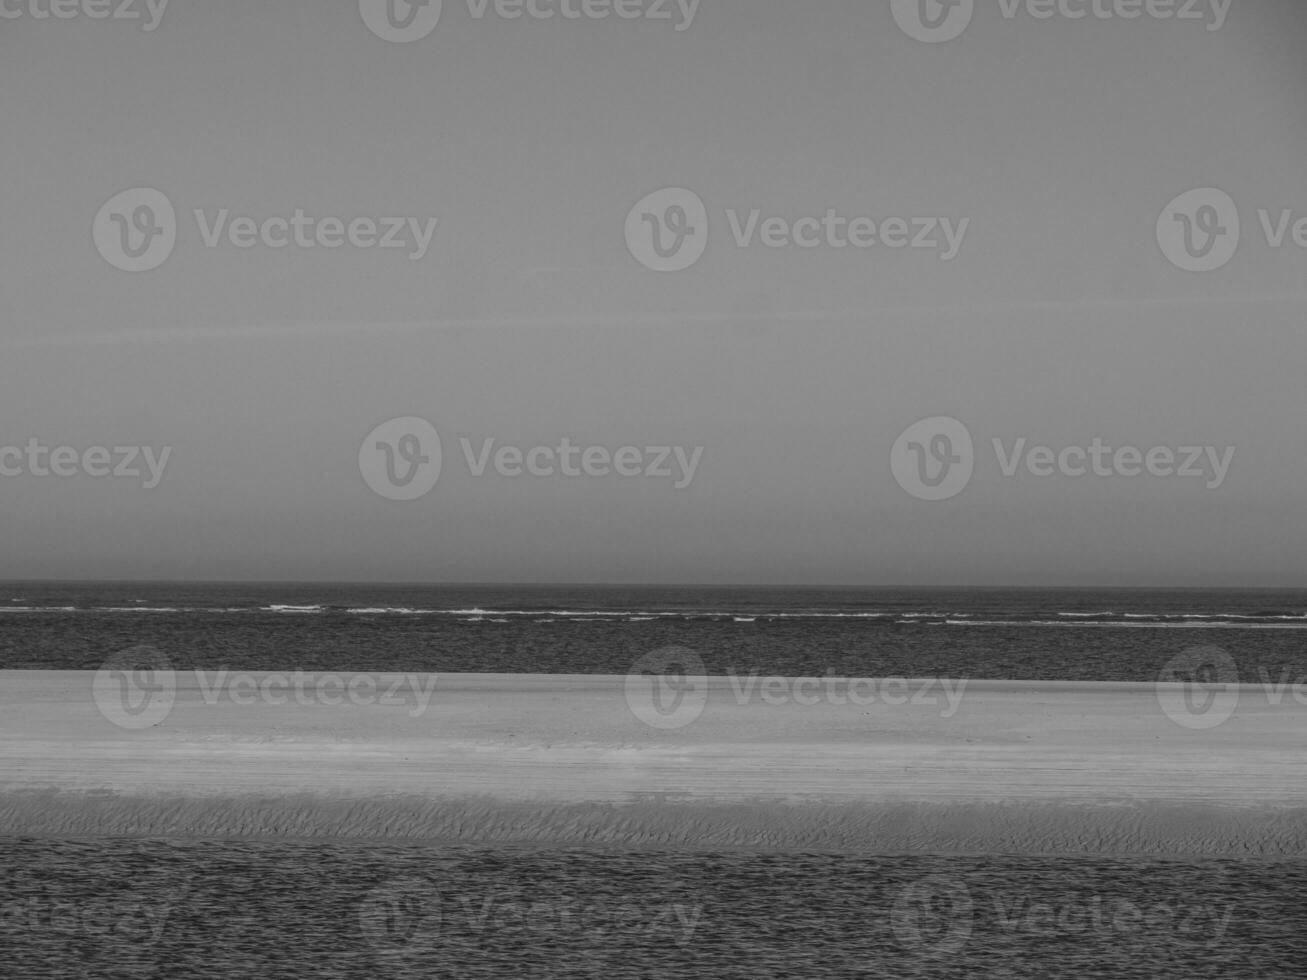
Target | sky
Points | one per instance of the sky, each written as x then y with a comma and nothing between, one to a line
1055,151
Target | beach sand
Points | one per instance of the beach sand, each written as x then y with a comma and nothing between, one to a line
1002,767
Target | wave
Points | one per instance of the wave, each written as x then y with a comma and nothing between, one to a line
1268,619
387,611
1254,616
143,609
1155,624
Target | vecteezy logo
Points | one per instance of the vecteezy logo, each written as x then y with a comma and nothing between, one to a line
1199,230
401,21
918,923
400,459
135,688
401,917
933,458
136,230
932,20
667,688
1199,688
668,230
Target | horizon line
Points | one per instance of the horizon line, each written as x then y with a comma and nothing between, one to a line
639,585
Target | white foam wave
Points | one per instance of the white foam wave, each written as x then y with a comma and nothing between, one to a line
1123,625
140,609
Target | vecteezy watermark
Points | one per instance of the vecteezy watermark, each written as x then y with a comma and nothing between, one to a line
668,689
934,459
934,21
668,230
860,691
1199,689
136,230
410,691
938,916
36,459
1200,230
137,689
149,12
400,21
112,931
403,21
402,459
933,917
404,917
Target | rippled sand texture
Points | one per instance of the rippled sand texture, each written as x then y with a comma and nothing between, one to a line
994,766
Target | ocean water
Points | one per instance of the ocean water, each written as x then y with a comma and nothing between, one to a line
322,908
164,909
1056,634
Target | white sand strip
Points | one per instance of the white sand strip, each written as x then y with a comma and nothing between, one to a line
1013,766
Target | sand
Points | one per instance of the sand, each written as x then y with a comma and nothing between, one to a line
1004,767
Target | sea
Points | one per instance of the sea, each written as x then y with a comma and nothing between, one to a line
321,908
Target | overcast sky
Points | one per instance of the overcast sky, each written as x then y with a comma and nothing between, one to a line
528,318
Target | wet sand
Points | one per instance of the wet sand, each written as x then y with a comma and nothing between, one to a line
1014,767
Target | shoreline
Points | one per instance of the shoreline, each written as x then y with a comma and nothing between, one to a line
856,830
1023,767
